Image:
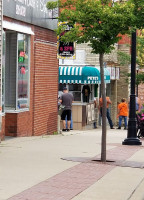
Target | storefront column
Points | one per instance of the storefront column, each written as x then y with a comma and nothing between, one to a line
114,101
1,9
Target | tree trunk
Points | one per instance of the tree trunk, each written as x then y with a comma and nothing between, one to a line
103,141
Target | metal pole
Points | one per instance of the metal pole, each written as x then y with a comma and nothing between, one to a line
137,86
132,138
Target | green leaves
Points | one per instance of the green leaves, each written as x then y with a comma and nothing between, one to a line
139,13
140,78
123,58
99,21
52,5
140,49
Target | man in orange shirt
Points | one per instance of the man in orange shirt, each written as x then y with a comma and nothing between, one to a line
123,113
107,113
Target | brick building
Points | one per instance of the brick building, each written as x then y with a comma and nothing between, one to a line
30,69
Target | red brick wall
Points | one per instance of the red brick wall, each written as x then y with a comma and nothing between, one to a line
46,82
11,124
42,116
18,124
45,35
125,40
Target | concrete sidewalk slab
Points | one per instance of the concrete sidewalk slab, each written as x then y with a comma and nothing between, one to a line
119,184
75,180
28,162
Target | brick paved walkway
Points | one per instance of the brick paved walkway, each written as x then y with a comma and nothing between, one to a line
68,184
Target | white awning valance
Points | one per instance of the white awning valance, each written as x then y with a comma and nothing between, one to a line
17,27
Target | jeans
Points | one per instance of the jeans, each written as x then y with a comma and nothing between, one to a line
108,117
120,120
94,125
71,124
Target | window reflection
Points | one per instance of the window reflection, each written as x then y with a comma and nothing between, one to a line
23,70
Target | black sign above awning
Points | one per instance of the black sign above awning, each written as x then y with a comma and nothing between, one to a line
65,50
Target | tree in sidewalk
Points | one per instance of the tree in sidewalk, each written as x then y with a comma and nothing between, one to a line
99,23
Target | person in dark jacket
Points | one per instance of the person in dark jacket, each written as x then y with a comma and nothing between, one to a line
86,93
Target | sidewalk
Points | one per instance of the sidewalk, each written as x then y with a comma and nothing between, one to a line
60,167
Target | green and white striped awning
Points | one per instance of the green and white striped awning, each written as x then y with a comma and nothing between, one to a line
106,74
81,75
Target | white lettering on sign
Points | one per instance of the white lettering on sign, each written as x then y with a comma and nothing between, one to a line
92,78
28,3
20,10
31,3
43,6
22,5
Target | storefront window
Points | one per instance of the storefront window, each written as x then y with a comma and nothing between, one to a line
61,86
16,71
75,89
3,70
23,71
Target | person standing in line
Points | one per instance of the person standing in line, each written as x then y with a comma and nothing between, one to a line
123,113
138,104
86,93
108,101
95,112
66,100
71,123
59,117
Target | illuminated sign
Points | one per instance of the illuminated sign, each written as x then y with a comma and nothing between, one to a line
65,50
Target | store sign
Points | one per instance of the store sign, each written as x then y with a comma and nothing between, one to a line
114,73
30,11
117,73
93,78
65,50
